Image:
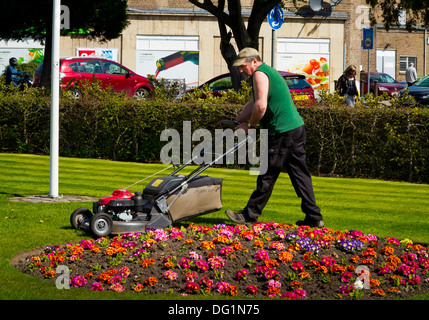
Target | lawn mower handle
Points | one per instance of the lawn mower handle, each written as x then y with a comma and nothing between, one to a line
231,124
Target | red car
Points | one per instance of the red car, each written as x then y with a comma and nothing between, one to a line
386,84
302,92
110,73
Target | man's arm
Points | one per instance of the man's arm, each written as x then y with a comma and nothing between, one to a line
244,116
261,84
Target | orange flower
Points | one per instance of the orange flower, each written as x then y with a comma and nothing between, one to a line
151,281
147,262
221,239
104,277
378,292
258,244
387,251
350,267
208,245
355,259
304,276
307,255
336,268
139,287
394,260
285,256
374,283
328,238
321,269
270,263
169,264
296,284
393,290
76,250
237,246
189,241
95,249
369,252
368,261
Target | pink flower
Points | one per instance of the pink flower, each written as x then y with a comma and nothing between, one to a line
78,281
97,286
124,272
274,284
202,265
346,289
346,276
241,274
170,275
300,293
117,287
261,255
190,276
192,287
251,289
328,261
207,282
216,262
297,266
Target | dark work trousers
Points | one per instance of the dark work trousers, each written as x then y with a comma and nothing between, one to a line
285,151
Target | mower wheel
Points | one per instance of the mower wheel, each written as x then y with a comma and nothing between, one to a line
101,225
79,217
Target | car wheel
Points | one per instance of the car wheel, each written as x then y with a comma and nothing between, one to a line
80,217
101,225
75,93
141,93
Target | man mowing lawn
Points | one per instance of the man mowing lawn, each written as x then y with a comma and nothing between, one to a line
272,107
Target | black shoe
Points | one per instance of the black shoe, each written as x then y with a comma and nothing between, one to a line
239,217
311,223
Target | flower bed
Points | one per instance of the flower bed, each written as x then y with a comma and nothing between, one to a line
264,260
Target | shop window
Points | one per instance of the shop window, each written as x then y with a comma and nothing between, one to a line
404,62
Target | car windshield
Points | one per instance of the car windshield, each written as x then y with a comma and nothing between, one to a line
224,83
423,83
113,68
382,78
297,83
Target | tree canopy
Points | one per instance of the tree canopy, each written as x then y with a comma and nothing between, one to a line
415,12
96,19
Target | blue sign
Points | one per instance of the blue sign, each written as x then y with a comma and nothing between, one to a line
275,17
368,38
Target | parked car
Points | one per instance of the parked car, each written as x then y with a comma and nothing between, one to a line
420,91
110,73
386,84
300,89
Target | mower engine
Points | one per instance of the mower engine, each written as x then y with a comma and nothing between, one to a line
122,205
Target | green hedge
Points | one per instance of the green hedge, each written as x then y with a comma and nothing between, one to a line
367,141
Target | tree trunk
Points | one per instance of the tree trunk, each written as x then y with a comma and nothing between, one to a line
45,80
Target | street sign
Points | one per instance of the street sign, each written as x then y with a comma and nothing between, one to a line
275,17
368,38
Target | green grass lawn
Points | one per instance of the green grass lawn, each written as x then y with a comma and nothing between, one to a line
382,208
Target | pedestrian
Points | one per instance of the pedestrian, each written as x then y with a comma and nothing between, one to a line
12,73
411,74
346,86
273,109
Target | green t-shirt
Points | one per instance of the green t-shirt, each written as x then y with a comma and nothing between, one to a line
281,114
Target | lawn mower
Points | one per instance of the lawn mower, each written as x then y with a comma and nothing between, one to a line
164,200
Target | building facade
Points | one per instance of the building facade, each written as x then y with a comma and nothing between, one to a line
176,40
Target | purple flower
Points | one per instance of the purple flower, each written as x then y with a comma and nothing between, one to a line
350,246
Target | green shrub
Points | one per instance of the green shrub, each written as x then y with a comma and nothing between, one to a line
371,140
